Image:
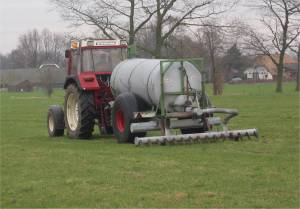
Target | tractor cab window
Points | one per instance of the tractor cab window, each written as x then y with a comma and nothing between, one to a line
102,60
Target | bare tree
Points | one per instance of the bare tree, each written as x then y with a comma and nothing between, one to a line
52,47
145,41
126,18
112,18
35,48
171,14
213,38
298,72
180,45
281,20
29,47
15,59
297,52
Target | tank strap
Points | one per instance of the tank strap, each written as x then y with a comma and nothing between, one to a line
148,80
116,69
134,69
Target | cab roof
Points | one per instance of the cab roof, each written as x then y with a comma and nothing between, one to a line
97,43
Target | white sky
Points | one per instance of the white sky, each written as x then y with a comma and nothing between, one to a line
19,16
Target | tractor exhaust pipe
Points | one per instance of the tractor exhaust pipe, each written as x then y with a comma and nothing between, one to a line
236,134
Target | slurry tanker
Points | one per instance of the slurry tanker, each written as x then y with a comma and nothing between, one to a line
130,97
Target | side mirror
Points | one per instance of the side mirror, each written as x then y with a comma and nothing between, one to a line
67,54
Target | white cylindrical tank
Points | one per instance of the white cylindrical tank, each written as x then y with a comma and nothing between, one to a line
142,77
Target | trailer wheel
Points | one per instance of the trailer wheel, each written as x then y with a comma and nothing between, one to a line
55,121
122,114
79,112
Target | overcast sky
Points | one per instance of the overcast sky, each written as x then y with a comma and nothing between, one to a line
19,16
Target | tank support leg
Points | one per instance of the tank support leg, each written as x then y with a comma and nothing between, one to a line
165,127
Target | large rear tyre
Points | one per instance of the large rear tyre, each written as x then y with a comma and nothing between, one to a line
55,121
122,115
79,112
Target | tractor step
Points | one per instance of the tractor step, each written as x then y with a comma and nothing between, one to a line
190,138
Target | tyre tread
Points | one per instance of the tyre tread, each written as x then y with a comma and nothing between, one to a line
87,113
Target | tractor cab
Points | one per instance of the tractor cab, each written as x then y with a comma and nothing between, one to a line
95,55
94,58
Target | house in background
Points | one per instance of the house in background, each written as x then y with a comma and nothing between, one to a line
24,86
290,66
257,73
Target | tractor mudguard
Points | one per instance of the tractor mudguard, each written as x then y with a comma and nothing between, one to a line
88,81
72,79
84,81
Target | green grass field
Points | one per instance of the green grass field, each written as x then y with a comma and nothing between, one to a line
39,172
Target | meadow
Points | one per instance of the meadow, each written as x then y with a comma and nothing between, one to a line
42,172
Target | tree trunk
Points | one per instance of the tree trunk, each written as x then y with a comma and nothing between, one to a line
158,45
280,73
158,39
298,73
217,77
158,32
213,68
214,80
131,23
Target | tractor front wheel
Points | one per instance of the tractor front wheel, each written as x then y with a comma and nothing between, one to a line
79,112
55,121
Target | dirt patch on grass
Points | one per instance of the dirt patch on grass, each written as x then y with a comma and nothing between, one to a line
134,175
167,163
169,197
207,194
179,196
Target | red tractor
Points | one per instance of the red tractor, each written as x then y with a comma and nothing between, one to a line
88,96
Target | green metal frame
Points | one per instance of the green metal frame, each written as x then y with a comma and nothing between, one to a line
165,66
131,51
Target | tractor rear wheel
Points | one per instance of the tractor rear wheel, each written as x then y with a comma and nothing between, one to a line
55,121
79,112
122,115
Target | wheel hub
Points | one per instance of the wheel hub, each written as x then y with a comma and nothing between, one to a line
51,123
120,120
72,111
